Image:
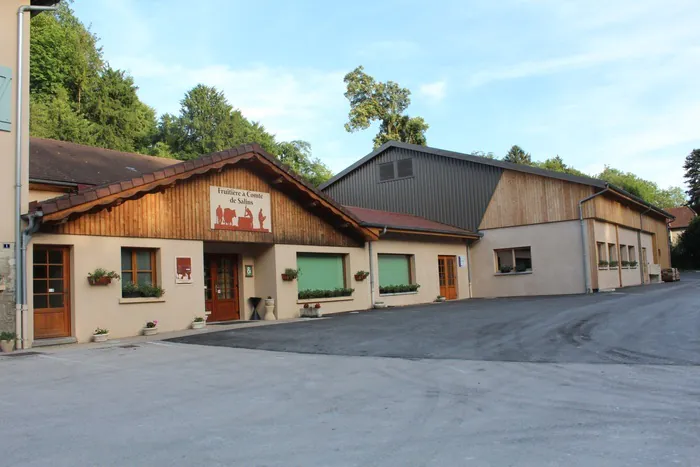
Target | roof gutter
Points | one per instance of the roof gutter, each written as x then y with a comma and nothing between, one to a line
584,241
20,280
466,234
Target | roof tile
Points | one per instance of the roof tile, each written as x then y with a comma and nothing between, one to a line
102,192
683,215
397,220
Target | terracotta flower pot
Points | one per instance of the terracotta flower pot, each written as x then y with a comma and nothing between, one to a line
360,277
100,280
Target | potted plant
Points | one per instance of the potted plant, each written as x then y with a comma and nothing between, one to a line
305,311
7,341
505,269
100,335
130,290
520,268
151,328
316,311
269,301
613,264
379,304
625,264
101,277
633,264
361,275
199,322
602,263
290,274
440,298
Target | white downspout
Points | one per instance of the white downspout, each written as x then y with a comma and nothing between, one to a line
469,268
584,240
19,271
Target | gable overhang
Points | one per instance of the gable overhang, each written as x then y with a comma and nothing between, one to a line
69,207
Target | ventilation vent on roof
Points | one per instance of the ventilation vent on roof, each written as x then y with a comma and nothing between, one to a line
404,167
386,172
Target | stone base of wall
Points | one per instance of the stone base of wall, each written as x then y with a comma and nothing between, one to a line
7,296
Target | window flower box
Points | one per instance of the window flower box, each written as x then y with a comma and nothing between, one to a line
101,277
361,275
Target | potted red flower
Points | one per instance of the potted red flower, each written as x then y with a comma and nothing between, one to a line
290,274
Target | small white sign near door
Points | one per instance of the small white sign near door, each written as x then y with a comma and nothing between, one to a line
237,209
462,261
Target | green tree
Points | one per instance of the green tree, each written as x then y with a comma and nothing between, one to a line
486,155
645,189
686,253
373,101
557,164
54,117
516,155
692,177
63,54
208,123
122,121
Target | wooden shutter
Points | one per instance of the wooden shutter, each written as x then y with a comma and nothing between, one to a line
5,99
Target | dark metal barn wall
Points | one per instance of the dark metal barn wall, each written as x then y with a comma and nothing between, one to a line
443,189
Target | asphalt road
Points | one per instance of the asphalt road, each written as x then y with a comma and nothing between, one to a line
139,403
658,324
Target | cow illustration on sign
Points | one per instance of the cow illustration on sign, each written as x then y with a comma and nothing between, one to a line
226,203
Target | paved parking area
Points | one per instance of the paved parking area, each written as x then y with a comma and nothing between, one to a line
658,324
157,403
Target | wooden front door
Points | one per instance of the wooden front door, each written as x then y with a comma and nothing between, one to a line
221,287
447,270
51,275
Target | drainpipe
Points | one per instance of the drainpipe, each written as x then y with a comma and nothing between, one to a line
19,272
469,268
371,269
32,228
584,240
639,240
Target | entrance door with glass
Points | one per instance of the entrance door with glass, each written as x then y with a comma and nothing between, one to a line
51,294
447,270
221,287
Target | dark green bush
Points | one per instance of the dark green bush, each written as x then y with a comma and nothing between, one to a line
387,289
324,293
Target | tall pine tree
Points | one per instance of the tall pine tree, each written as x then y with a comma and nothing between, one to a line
692,177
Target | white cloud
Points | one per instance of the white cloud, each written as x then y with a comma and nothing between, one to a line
292,103
434,91
389,49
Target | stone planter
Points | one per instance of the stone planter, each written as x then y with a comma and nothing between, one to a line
150,331
100,337
379,305
310,312
198,324
270,311
269,302
440,299
7,346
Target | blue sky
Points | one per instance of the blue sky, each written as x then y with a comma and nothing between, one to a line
597,82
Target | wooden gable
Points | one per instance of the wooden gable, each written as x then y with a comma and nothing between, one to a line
182,211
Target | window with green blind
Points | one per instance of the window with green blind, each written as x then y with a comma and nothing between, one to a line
394,270
318,271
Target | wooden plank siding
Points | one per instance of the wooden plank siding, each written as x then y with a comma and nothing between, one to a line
183,212
523,199
615,212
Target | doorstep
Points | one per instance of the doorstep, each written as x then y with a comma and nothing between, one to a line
54,341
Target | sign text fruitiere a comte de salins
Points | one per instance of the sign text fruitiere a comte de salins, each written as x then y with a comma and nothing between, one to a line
237,209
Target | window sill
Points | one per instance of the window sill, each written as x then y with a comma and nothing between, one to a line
524,273
602,268
398,293
324,300
126,301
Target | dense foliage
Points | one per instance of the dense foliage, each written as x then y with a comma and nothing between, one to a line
374,101
692,177
686,252
76,96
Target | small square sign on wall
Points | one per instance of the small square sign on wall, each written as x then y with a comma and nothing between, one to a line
462,261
